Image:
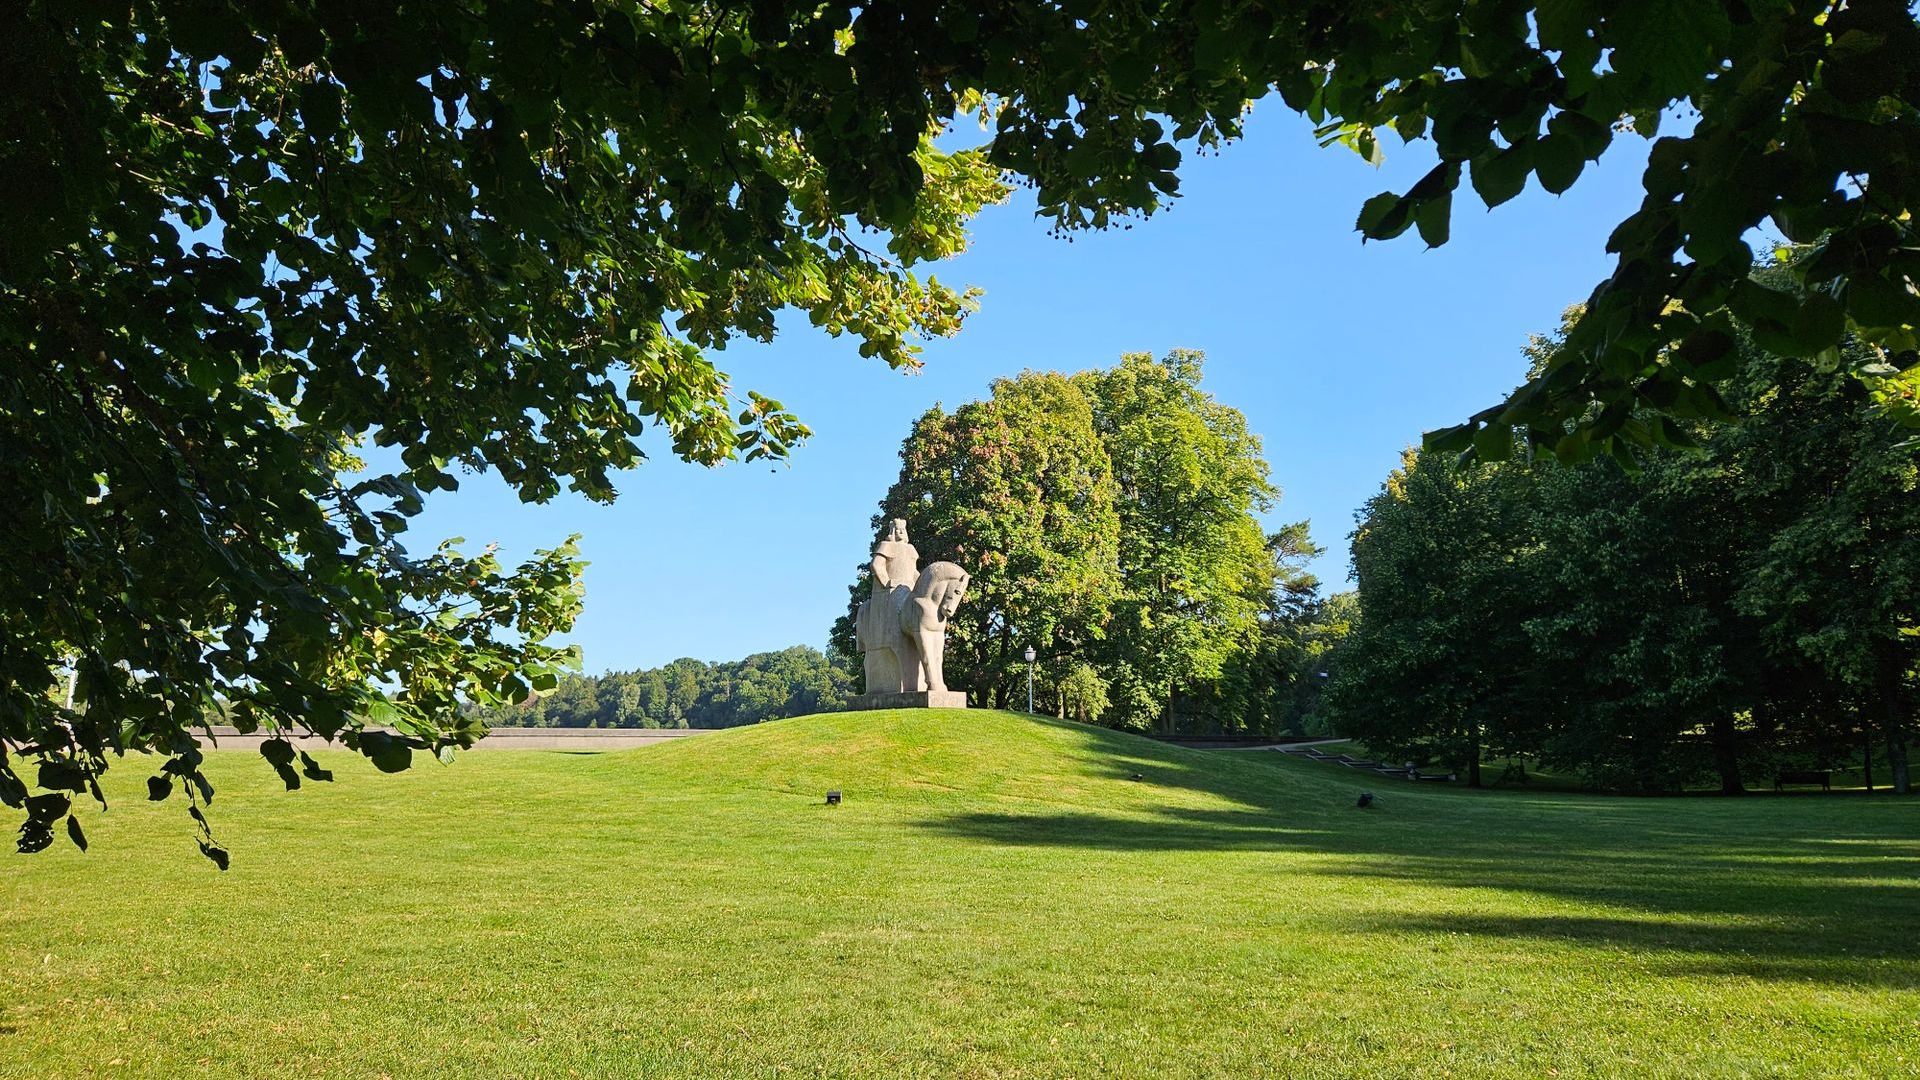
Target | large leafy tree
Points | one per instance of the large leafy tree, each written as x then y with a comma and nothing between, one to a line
1635,630
1705,613
243,241
1196,569
1835,580
1107,519
1273,686
1019,490
1438,666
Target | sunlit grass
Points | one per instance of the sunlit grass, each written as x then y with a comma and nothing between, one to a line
996,897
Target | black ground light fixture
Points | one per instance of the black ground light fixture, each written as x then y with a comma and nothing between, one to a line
1366,800
833,798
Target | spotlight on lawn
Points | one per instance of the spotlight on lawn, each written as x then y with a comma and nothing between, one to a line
1366,800
833,798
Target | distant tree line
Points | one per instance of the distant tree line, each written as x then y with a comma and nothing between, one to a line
1732,599
1108,521
690,693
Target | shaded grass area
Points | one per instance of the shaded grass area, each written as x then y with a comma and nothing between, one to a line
996,897
1847,775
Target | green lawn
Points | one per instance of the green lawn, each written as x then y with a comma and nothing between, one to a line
996,898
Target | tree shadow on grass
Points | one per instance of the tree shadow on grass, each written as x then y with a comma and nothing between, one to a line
1779,949
1172,829
1701,888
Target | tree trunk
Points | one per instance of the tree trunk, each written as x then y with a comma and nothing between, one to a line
1890,682
1473,755
1726,755
1897,761
1866,745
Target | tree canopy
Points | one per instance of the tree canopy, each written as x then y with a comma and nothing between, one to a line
1108,521
241,240
689,693
1707,614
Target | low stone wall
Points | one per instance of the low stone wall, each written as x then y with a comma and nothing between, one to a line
505,738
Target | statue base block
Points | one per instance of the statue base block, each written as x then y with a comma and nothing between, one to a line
910,699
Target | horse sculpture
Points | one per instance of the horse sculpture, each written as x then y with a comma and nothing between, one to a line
903,632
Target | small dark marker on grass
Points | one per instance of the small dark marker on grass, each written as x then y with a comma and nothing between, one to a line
1366,800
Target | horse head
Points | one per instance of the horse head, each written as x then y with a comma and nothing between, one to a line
944,584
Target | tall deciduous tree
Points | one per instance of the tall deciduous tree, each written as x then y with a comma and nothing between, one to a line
1836,581
1107,519
1437,667
1707,613
242,241
1019,490
1194,563
1634,626
1273,686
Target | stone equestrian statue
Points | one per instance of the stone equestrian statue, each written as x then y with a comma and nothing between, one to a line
902,625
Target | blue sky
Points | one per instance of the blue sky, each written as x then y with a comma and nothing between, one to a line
1339,353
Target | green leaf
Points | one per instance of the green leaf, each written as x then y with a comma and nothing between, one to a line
389,753
1384,217
1666,45
1874,301
36,833
1817,323
1590,135
279,754
57,775
1493,442
1433,219
1499,175
12,791
158,788
1557,161
1449,439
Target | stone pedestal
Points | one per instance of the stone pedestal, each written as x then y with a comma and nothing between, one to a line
910,699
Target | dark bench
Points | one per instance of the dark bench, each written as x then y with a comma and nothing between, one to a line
1804,776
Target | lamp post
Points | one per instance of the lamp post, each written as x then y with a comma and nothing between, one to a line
1030,658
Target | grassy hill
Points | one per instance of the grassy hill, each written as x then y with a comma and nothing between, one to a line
996,897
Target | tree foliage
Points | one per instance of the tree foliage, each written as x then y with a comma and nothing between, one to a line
243,241
1710,612
1108,522
1019,490
1194,559
690,693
